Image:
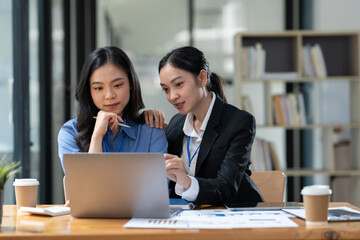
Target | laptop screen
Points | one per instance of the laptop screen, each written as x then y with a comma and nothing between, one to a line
117,185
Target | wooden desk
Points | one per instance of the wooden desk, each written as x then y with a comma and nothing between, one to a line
65,227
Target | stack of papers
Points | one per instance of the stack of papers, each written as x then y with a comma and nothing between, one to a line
217,219
335,214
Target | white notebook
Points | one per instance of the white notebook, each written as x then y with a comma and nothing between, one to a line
47,211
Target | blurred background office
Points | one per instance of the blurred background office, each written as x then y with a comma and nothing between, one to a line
44,42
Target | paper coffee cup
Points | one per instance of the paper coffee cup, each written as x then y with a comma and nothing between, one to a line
316,202
26,192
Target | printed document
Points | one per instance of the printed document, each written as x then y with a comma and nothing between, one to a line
217,219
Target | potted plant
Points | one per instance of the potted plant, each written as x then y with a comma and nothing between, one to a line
8,169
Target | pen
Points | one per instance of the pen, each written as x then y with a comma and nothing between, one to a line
120,124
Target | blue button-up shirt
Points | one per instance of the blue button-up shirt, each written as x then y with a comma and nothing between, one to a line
138,138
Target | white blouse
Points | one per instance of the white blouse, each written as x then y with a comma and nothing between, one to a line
194,147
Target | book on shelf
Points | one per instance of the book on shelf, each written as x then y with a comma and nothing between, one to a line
264,156
248,62
321,60
245,62
318,62
289,109
253,61
313,61
278,110
260,61
295,113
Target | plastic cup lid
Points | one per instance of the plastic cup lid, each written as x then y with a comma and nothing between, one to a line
316,190
26,182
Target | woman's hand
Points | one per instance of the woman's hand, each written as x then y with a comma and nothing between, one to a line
175,170
103,121
157,115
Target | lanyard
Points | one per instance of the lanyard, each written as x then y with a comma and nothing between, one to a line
188,151
121,146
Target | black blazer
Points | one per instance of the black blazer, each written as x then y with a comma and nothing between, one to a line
222,167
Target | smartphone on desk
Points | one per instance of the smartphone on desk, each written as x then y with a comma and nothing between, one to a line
246,206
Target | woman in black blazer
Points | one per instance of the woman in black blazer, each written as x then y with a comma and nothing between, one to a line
209,140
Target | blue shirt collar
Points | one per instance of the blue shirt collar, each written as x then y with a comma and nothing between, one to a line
130,132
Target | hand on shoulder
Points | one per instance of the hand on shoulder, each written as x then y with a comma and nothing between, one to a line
157,116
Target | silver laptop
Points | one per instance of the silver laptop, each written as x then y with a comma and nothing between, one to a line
117,185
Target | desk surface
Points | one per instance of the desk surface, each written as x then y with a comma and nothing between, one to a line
65,227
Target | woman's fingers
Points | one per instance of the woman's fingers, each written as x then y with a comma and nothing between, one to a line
175,169
119,119
157,116
113,122
177,174
171,176
168,156
171,163
105,119
149,118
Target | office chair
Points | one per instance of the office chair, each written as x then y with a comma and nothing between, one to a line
271,185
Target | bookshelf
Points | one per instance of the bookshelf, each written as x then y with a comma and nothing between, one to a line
307,151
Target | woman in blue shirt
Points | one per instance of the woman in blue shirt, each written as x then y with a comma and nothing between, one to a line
109,93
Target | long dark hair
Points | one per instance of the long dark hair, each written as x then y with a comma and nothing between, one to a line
96,59
193,60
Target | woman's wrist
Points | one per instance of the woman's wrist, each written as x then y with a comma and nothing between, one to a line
188,183
96,143
96,136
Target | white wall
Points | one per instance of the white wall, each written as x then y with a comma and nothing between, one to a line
265,15
336,15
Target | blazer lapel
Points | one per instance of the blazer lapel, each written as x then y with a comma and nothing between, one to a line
210,133
179,136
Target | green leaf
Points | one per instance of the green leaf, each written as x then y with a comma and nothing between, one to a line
8,169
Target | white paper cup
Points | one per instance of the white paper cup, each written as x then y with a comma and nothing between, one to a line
26,192
316,202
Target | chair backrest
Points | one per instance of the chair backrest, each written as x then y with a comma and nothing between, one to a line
271,185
